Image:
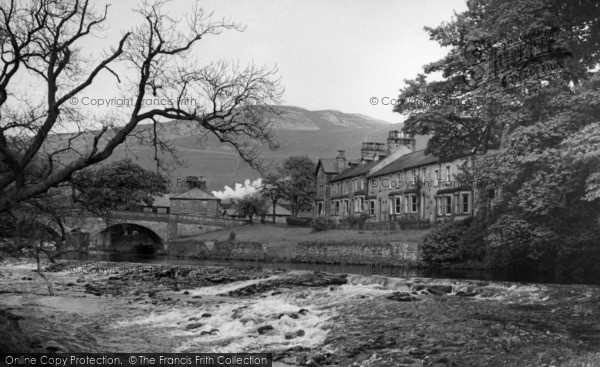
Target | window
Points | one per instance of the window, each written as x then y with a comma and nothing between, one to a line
414,175
436,177
448,173
423,173
448,205
361,204
438,203
457,208
410,203
337,208
319,208
320,190
346,207
372,207
466,202
398,205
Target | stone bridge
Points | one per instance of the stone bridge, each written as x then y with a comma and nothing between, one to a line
145,232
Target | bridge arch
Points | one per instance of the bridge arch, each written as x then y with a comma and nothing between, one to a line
129,237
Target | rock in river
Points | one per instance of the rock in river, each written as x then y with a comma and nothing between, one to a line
265,329
401,297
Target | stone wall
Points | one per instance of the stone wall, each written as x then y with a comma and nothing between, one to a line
185,230
389,253
338,252
196,207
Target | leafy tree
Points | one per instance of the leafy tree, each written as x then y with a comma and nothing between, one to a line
118,185
535,146
45,41
250,205
463,119
299,182
273,187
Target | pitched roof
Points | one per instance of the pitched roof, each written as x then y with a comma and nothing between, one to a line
163,200
330,165
359,170
194,194
410,160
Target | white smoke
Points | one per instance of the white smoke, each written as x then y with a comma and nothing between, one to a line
248,188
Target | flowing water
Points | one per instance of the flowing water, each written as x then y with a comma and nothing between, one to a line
244,309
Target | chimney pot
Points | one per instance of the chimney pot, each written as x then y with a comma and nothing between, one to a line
370,150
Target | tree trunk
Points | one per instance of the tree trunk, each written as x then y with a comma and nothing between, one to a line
274,205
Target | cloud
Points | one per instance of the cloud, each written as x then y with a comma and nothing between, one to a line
241,190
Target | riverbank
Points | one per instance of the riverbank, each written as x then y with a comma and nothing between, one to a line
304,318
271,233
351,251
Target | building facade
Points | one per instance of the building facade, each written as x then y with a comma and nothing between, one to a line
393,183
327,169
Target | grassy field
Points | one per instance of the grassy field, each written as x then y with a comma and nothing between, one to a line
269,233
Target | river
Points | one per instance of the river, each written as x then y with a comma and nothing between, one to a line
303,317
461,272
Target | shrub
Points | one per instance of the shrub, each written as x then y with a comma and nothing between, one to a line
232,236
300,222
322,223
454,242
362,218
349,221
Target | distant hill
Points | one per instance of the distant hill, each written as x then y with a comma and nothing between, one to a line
300,132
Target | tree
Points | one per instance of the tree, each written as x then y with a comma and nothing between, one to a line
273,187
250,205
45,40
463,118
540,181
299,182
118,185
38,228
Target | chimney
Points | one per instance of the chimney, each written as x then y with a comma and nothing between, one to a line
371,151
409,141
341,159
398,140
202,183
394,141
194,181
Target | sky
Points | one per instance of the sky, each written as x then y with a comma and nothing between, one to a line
331,54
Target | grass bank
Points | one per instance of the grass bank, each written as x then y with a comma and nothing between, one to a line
269,233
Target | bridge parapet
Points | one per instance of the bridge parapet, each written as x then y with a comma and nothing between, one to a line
178,218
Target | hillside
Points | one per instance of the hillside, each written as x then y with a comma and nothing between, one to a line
299,132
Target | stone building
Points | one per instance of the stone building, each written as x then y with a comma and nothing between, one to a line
327,168
393,182
419,187
195,202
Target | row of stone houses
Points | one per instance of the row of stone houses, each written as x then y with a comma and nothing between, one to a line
392,182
